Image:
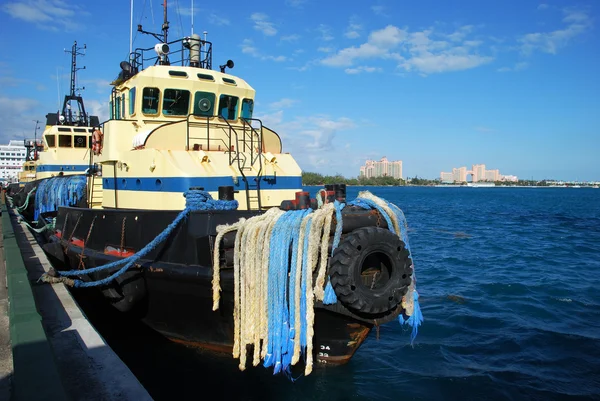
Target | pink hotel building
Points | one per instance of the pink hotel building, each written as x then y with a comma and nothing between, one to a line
478,172
382,168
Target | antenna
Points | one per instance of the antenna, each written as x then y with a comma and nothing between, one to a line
81,117
192,17
164,58
75,51
35,140
131,29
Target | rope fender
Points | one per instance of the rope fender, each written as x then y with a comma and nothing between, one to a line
274,293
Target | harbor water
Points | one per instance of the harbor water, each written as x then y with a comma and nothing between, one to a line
509,284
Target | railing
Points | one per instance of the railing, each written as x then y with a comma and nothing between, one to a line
140,58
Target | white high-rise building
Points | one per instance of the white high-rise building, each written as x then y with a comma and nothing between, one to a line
12,157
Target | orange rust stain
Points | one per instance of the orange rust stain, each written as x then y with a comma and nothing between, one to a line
58,234
156,269
358,336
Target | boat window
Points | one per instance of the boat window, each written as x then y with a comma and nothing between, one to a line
65,141
204,104
228,107
80,141
118,108
178,73
229,81
79,129
150,99
122,106
51,141
60,129
131,101
176,102
247,108
110,110
206,77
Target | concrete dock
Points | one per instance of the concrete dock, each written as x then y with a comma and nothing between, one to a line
48,348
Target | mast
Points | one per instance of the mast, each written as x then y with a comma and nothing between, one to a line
66,111
165,26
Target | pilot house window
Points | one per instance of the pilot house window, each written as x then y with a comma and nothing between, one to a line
150,99
131,101
204,104
65,141
247,108
228,107
80,141
176,102
51,141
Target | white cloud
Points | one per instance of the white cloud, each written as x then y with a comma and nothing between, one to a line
249,48
283,103
290,38
273,119
460,34
97,108
54,15
416,51
517,67
325,32
325,49
218,20
379,44
102,85
576,23
378,10
16,117
353,30
262,24
295,3
543,6
360,69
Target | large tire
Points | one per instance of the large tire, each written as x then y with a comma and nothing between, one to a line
370,271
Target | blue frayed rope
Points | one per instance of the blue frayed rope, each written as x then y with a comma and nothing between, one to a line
330,298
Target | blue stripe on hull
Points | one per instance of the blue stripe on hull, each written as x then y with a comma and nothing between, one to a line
182,184
55,168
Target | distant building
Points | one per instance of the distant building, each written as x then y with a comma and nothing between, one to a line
478,173
12,157
382,168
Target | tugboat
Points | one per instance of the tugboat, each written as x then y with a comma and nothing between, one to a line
196,222
65,149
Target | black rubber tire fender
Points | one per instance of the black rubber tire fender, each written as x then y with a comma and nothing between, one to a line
366,249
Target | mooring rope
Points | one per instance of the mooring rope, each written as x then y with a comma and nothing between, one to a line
195,200
26,203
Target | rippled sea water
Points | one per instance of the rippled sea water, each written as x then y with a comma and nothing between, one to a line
509,284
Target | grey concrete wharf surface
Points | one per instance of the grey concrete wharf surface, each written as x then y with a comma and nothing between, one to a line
88,369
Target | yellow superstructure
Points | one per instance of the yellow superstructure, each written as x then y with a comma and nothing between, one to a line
66,151
176,127
28,173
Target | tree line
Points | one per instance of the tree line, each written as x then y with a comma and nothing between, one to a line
310,178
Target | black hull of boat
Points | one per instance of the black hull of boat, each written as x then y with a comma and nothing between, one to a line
170,289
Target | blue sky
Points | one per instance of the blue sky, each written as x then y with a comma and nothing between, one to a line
512,84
